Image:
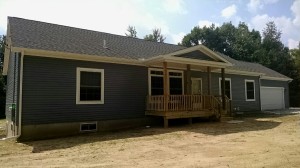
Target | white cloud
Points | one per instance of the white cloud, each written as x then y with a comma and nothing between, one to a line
229,11
100,15
177,38
174,6
207,23
270,1
255,5
293,43
296,10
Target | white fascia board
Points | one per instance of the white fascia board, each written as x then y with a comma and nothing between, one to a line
74,56
244,73
276,78
201,48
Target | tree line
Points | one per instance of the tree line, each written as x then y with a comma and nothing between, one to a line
241,43
155,36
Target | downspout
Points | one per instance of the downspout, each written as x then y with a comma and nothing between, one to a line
259,91
20,95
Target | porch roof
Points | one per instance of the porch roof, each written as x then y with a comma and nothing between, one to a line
197,55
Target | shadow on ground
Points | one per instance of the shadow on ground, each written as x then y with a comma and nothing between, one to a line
201,126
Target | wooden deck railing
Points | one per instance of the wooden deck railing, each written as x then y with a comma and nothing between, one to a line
183,103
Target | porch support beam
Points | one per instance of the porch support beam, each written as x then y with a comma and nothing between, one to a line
223,88
208,80
165,87
188,80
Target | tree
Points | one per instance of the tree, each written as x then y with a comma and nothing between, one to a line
295,53
2,80
237,42
275,53
131,32
156,36
295,84
2,48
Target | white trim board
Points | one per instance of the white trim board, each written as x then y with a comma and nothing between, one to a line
168,76
78,70
253,81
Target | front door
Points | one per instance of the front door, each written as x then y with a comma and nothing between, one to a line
196,86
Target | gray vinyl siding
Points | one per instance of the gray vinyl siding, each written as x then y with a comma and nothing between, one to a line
49,91
12,87
239,102
284,84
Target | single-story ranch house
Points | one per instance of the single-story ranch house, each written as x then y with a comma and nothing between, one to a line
63,80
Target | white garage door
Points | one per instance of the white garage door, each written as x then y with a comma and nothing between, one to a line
272,98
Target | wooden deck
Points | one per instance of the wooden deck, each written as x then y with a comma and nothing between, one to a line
180,114
184,106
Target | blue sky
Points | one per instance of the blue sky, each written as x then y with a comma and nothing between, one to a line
175,17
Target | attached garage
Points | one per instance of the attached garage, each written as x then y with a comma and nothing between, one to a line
272,98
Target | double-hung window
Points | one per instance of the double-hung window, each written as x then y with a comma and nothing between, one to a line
250,90
90,86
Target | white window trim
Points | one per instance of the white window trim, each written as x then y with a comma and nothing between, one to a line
195,79
168,76
246,89
79,69
226,79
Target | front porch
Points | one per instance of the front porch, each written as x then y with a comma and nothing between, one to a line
173,93
186,106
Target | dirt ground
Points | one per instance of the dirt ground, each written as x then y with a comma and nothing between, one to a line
265,141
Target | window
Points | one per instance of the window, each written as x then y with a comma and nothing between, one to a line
250,90
90,86
156,82
228,92
175,83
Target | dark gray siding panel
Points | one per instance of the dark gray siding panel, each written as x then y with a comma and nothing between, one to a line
12,87
49,91
284,84
239,102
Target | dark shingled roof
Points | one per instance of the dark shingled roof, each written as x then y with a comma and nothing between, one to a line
251,67
46,36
